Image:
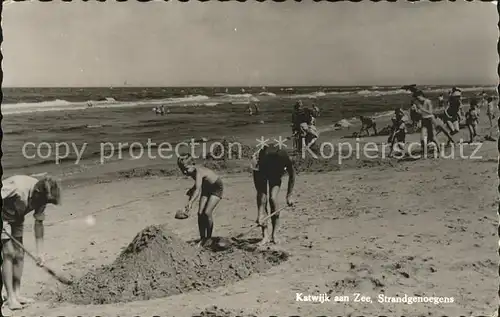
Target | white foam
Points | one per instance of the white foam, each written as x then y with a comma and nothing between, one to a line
313,95
55,105
268,94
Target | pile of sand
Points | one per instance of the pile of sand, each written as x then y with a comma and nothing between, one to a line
214,311
158,264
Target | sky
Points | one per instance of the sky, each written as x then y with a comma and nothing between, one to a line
94,44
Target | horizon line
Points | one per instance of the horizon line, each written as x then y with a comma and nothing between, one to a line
255,86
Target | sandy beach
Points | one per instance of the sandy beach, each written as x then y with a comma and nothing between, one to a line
101,102
441,242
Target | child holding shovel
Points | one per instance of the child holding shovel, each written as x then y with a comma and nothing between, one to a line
209,188
21,195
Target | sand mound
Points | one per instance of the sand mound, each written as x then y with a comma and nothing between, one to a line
158,264
214,311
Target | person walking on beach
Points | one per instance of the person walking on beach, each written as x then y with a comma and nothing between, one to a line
367,123
471,119
424,108
397,136
490,113
453,111
269,165
483,102
415,117
308,130
21,195
297,118
209,188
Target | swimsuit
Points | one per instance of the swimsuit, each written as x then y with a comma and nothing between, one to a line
271,168
215,189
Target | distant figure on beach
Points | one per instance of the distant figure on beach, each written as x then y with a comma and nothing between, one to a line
490,113
472,119
415,117
308,128
440,126
250,110
316,111
162,110
441,101
304,126
21,195
209,188
451,115
89,104
398,131
269,166
297,109
297,114
257,110
483,102
367,123
424,108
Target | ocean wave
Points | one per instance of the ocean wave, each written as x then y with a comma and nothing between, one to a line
211,104
313,95
376,93
55,105
268,94
236,96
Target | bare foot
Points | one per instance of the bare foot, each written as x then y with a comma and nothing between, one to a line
275,241
6,312
24,300
14,305
200,243
263,242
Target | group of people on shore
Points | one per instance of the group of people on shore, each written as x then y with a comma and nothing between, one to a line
445,119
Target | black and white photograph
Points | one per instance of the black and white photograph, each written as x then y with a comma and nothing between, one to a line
251,159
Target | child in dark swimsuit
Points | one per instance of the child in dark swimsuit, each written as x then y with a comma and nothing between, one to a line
269,166
209,187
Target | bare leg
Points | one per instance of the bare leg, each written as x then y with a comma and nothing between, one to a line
273,202
201,220
449,124
423,139
448,135
471,133
432,137
260,183
375,129
210,206
261,213
18,273
8,255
